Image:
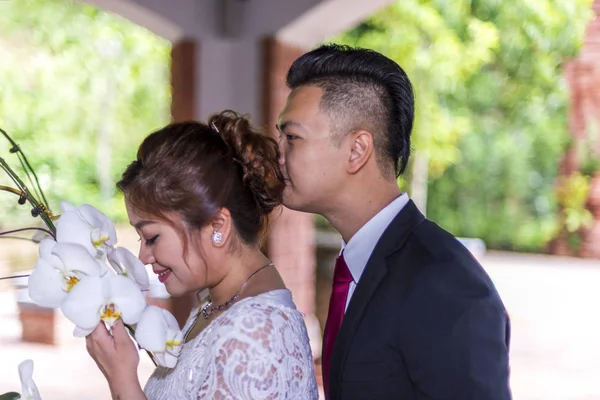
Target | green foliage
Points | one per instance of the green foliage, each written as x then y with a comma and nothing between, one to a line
438,58
10,396
572,195
585,147
491,106
80,89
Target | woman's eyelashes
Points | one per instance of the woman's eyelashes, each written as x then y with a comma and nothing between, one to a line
149,242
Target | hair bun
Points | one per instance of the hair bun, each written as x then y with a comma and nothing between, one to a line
258,155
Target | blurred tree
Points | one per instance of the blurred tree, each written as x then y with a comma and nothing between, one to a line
491,108
79,89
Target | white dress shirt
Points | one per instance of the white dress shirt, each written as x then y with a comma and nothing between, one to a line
359,248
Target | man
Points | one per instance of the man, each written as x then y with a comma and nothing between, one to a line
412,314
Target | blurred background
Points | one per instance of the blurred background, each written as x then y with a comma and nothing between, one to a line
506,149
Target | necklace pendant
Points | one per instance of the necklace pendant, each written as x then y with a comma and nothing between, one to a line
206,313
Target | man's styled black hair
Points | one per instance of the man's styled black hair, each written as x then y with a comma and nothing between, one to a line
362,89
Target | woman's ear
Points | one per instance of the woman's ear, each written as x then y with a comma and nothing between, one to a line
222,227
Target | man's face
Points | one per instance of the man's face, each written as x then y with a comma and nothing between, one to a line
312,162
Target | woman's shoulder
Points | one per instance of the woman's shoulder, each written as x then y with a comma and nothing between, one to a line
274,298
259,339
260,314
272,303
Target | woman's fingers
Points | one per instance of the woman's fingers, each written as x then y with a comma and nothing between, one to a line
119,334
99,336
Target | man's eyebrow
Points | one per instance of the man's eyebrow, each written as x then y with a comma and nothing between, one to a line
285,124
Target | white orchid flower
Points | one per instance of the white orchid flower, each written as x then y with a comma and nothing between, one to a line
59,269
29,390
86,226
159,333
107,299
127,264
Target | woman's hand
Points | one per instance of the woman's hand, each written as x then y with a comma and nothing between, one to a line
117,357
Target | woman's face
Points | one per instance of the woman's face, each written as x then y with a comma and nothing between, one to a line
162,246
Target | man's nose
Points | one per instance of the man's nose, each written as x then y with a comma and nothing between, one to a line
281,154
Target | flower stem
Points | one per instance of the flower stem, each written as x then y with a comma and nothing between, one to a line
13,277
27,229
132,333
25,163
43,211
11,190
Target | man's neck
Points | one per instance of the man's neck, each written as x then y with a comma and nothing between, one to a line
356,209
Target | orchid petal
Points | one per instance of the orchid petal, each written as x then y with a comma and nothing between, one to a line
71,228
126,296
115,260
166,359
159,333
45,250
150,332
169,361
173,349
45,285
123,260
79,332
76,258
26,371
161,359
100,221
66,206
172,324
46,247
82,304
29,390
88,227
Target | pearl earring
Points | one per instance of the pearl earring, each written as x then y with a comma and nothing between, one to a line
217,237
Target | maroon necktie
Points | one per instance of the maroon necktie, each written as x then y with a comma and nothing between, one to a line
337,305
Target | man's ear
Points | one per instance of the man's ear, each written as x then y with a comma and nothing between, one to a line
361,150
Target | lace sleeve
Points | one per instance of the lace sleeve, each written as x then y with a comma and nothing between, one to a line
259,352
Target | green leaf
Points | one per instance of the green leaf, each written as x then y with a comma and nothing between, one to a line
10,396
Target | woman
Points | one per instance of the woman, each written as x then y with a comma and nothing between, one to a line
199,196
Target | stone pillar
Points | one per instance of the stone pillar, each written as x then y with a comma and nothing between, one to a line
583,78
183,107
292,238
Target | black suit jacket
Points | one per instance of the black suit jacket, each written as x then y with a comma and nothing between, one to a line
425,322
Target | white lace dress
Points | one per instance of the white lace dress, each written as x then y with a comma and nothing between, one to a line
257,349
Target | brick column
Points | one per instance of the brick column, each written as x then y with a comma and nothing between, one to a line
583,78
292,237
183,81
183,108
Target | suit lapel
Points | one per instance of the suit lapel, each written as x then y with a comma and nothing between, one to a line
376,269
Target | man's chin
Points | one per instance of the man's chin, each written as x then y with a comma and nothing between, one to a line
292,202
287,198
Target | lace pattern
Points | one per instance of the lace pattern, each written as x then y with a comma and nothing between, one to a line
258,349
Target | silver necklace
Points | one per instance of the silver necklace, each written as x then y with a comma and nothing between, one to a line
209,309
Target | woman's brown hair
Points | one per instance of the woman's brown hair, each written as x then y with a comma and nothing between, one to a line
195,169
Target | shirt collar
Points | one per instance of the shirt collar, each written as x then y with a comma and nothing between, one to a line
359,248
